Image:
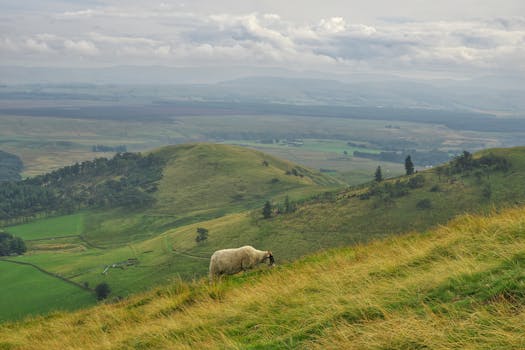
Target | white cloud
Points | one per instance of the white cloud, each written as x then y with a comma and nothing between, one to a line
82,47
167,33
98,37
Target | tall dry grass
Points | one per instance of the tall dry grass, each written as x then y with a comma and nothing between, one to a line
460,286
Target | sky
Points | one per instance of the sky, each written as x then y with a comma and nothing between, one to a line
455,39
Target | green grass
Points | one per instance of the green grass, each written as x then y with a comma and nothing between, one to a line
67,225
27,291
460,286
328,155
163,239
201,182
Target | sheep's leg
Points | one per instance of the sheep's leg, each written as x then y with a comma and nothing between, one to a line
244,265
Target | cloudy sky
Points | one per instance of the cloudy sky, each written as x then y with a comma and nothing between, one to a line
453,38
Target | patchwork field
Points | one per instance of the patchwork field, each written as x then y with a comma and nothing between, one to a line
46,143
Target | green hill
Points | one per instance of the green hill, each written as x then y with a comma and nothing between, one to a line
216,187
200,182
123,206
461,286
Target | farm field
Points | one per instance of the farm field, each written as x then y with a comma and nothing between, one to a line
53,227
27,291
46,143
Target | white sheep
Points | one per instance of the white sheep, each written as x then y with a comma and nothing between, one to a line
232,261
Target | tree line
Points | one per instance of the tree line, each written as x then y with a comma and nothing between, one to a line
126,180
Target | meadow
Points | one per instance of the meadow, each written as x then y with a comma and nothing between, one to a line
48,228
24,288
458,286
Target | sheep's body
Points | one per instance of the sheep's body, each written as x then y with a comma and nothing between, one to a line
232,261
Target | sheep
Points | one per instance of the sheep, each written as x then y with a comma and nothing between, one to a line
232,261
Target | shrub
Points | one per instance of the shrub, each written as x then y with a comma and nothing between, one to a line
435,188
202,234
416,181
267,210
102,291
424,204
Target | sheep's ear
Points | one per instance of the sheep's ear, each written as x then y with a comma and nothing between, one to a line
269,252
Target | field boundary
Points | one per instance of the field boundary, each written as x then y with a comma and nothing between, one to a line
50,238
50,274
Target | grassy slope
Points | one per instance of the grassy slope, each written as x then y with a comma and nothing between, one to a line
317,225
200,181
203,181
461,286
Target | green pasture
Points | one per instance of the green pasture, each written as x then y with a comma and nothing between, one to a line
67,225
27,291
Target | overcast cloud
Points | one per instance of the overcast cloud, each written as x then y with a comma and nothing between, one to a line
450,38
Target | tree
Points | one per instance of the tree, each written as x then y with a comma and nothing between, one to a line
409,166
202,234
487,191
289,206
378,174
102,290
17,245
267,210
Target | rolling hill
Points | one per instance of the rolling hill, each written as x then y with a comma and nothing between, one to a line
459,286
107,212
156,245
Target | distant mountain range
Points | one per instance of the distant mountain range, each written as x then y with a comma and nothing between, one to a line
494,94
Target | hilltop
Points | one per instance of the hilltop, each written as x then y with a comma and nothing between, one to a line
162,189
459,286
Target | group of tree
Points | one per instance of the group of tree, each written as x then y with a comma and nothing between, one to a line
126,180
465,162
288,206
10,245
391,190
421,158
409,169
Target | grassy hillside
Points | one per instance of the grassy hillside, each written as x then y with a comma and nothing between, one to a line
460,286
163,242
200,182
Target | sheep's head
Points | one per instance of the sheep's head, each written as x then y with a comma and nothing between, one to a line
271,259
